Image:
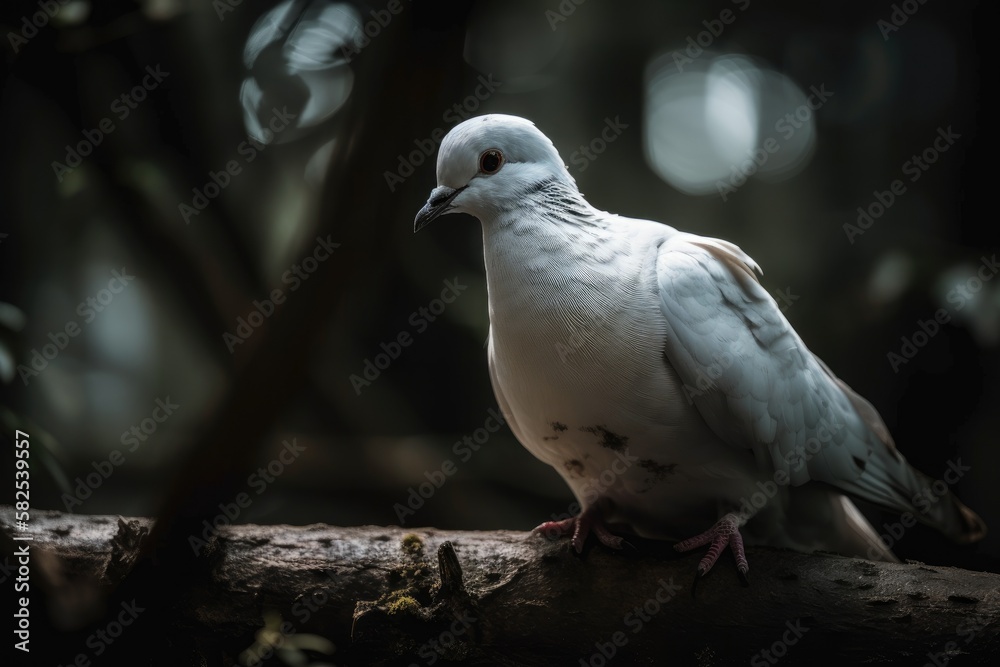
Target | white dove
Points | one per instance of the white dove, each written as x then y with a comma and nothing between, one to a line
650,368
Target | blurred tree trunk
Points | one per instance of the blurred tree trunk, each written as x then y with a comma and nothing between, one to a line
393,596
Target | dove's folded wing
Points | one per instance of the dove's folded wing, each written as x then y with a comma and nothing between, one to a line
759,387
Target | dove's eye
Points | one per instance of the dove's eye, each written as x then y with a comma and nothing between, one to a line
490,161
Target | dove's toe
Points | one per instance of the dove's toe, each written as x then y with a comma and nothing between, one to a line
726,531
587,522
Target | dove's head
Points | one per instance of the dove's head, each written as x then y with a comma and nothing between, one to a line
489,164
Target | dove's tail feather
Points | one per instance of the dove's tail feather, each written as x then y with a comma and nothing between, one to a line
893,483
857,537
821,517
974,526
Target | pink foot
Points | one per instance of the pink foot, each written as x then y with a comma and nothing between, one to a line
581,525
725,531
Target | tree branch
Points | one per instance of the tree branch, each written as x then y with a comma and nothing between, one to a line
429,596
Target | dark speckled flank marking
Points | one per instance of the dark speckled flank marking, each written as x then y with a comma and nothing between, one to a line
550,437
608,439
860,463
559,426
574,467
658,470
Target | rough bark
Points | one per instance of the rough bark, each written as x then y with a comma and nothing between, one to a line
393,596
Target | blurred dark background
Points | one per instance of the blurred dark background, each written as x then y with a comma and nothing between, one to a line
227,120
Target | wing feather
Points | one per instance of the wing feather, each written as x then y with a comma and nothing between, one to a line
759,387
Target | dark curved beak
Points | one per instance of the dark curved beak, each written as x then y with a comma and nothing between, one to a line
437,205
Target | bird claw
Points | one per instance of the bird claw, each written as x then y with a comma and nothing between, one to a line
725,532
580,526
